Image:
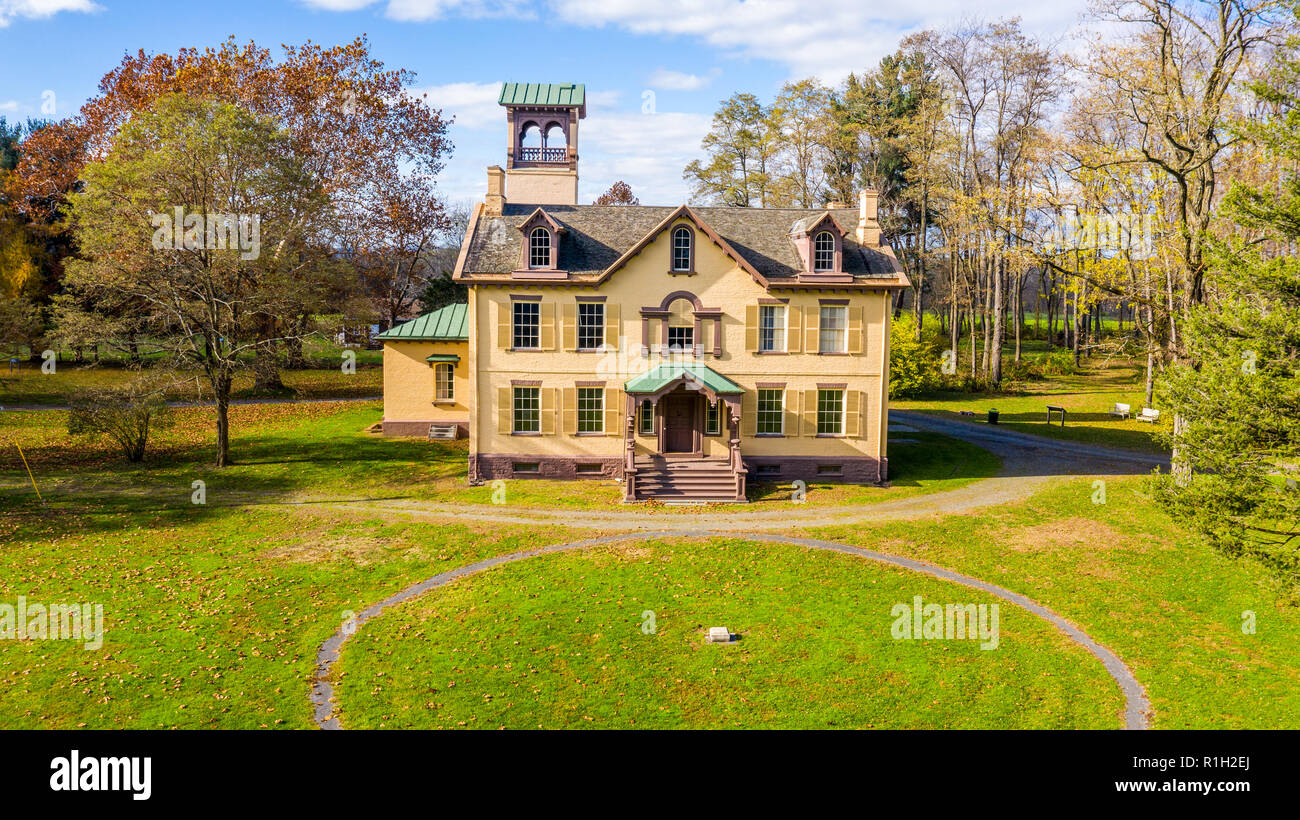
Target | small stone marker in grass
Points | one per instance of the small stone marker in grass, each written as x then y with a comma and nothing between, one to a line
719,634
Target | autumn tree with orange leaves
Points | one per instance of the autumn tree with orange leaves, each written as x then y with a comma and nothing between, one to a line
374,148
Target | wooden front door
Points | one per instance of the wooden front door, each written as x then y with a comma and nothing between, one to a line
679,422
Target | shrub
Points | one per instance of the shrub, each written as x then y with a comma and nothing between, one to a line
1058,363
124,413
914,367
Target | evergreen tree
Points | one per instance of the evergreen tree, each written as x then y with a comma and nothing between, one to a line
1238,389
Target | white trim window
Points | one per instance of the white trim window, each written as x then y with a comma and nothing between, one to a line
771,328
823,252
647,418
771,412
527,325
527,409
681,339
591,325
682,249
444,385
832,327
591,409
830,412
539,248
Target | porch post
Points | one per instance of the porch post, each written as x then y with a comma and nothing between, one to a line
737,462
629,444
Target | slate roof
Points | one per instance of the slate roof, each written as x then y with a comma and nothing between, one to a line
569,95
598,235
446,324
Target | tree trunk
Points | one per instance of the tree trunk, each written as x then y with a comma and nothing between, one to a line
919,284
999,324
294,358
221,389
266,369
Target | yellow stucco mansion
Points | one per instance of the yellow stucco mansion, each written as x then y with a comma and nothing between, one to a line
683,350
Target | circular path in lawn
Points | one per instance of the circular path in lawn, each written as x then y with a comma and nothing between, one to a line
559,642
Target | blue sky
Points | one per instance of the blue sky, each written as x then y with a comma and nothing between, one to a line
688,53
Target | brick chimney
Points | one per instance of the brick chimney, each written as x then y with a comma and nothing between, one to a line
495,202
868,232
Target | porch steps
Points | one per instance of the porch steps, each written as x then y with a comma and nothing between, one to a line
686,480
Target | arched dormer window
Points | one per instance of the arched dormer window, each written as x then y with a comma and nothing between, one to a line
683,249
823,252
539,248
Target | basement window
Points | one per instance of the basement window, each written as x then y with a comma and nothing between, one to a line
829,469
769,469
526,467
588,468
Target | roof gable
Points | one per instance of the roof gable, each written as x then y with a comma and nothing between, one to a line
805,226
682,212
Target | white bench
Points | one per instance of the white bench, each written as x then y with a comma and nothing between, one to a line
1121,410
1148,414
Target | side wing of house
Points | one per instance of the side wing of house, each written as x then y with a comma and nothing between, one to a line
426,374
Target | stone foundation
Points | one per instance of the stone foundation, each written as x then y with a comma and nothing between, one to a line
809,469
493,466
420,429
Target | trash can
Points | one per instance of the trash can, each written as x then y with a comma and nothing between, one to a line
993,417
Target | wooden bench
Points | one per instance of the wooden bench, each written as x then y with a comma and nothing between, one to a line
1148,414
1052,408
1120,410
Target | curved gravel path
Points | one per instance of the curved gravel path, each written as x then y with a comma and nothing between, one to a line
1136,708
1028,464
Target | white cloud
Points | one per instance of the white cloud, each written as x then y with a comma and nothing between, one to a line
419,10
827,40
668,80
647,151
425,10
39,9
474,105
600,100
9,107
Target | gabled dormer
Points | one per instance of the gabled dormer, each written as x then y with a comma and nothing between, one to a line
820,242
539,254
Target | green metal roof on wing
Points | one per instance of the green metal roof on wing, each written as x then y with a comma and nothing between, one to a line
661,375
567,95
446,324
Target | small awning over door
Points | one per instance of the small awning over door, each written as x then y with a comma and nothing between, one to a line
666,376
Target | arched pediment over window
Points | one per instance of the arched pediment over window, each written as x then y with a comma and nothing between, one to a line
681,317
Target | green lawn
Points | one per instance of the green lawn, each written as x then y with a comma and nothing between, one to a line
1157,596
1087,396
557,642
214,612
322,452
